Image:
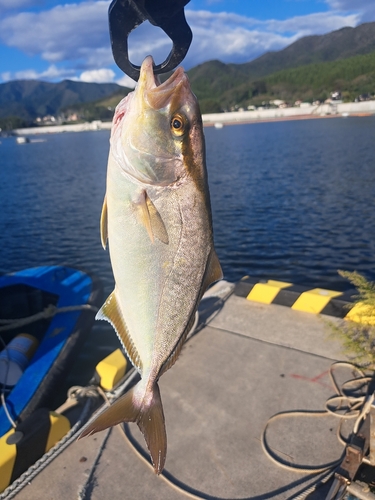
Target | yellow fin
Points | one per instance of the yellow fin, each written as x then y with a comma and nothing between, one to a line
149,417
111,312
151,220
213,271
104,224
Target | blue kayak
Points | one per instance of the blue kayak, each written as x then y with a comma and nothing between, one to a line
56,307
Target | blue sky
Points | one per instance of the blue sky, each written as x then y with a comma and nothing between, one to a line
52,40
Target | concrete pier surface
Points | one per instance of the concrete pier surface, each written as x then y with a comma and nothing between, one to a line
246,362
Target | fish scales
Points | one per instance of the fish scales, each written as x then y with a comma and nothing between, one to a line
157,219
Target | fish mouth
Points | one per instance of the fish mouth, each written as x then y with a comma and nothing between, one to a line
158,94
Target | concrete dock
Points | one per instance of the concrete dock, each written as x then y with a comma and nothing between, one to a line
245,363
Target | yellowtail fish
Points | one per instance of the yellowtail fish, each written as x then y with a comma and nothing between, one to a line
157,219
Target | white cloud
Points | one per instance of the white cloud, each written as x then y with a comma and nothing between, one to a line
146,40
74,39
6,76
66,32
234,38
364,9
317,23
126,81
51,73
102,75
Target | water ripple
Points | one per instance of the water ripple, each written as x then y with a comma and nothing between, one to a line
291,200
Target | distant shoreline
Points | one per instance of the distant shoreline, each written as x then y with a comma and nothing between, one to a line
219,120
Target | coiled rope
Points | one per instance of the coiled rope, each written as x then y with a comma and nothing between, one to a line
342,406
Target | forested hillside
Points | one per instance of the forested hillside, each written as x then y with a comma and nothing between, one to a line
353,77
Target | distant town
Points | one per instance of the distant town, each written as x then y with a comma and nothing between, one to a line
75,117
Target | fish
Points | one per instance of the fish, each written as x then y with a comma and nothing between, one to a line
157,220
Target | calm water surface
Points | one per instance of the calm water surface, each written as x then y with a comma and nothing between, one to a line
291,200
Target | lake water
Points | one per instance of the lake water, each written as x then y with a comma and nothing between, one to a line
291,200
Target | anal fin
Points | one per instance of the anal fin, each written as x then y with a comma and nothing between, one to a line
213,271
111,312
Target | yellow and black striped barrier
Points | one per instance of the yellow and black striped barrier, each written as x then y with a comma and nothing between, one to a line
31,439
302,298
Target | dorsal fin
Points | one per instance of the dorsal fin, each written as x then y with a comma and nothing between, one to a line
150,218
111,312
104,224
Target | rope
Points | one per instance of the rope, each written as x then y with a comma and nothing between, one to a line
342,406
310,489
11,324
2,396
48,312
75,395
48,457
7,414
124,430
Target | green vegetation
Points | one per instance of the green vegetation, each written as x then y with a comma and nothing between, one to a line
102,109
359,337
13,122
30,99
353,76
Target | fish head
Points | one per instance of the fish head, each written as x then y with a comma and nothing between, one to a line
157,135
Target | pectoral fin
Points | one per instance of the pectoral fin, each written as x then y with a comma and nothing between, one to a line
111,312
151,220
104,224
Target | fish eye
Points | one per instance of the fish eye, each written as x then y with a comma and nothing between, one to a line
178,125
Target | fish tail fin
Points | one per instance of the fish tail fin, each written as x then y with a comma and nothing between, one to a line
149,415
152,425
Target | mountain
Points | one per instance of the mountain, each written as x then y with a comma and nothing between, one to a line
28,99
353,77
217,84
308,69
340,44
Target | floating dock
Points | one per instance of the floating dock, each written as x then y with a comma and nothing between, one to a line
246,362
